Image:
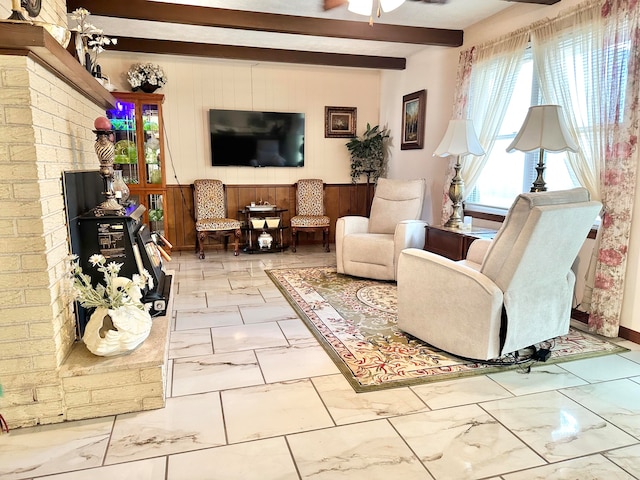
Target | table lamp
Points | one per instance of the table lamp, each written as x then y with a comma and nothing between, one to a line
459,139
543,128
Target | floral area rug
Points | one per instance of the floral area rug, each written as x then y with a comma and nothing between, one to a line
355,321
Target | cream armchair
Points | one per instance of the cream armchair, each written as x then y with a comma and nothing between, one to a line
510,293
370,247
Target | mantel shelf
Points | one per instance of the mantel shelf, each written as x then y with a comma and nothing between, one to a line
24,39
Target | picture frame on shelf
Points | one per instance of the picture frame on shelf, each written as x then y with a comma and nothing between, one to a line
413,116
340,122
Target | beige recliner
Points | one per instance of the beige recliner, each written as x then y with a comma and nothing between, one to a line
370,247
511,292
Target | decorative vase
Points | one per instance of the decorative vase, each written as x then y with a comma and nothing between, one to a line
147,88
115,332
120,188
265,240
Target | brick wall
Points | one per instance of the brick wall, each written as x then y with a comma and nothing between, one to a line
45,128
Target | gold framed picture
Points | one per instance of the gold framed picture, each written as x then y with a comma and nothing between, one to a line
413,112
340,122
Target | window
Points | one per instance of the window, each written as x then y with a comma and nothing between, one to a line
506,175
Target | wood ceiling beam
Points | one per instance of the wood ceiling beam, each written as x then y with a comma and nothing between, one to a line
268,22
171,47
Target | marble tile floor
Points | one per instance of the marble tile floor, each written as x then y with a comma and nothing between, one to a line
253,396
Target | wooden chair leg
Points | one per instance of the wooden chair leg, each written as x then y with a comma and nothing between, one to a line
325,238
201,237
236,247
294,238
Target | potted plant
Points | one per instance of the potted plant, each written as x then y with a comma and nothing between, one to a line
147,77
368,153
156,215
120,322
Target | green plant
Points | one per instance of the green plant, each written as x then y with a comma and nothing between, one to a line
368,153
156,215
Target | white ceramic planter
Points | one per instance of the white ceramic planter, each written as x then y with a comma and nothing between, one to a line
115,332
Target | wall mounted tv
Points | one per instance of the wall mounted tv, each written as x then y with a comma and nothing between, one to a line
256,139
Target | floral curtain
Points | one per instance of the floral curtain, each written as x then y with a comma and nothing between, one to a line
486,77
593,54
460,103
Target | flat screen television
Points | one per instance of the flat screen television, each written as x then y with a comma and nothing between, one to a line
256,139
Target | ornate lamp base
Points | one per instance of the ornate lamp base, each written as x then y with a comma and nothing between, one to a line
456,190
109,207
539,184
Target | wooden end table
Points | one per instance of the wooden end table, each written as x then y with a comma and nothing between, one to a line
453,243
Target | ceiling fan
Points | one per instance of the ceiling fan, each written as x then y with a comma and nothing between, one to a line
329,4
372,7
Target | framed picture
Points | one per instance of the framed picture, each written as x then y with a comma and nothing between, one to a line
413,109
340,122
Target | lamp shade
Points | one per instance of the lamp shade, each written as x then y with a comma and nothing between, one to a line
365,7
544,127
459,139
361,7
389,5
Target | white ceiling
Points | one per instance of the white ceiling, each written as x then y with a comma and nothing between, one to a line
455,14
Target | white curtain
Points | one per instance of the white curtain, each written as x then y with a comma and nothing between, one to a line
493,78
570,47
486,78
587,61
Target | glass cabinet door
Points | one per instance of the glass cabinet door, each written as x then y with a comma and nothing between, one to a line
156,213
123,122
137,125
152,151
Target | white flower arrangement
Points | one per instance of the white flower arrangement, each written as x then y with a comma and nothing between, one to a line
93,38
116,292
150,73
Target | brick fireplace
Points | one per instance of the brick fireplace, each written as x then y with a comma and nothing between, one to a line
47,108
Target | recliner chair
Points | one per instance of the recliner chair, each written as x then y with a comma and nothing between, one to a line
511,292
370,247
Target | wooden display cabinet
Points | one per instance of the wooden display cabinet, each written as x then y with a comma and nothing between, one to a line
139,152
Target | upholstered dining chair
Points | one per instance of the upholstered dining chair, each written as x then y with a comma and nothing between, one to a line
370,247
511,292
310,211
211,212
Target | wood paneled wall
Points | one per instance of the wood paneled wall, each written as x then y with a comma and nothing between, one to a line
340,200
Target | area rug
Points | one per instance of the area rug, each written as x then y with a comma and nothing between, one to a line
355,321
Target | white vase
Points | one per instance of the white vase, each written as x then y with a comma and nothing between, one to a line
114,332
265,240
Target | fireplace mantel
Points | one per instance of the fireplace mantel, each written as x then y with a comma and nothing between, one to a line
34,41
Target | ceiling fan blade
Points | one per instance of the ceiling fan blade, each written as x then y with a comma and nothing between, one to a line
329,4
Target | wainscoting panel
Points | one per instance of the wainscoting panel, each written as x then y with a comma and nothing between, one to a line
340,200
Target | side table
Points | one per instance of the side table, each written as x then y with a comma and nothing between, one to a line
453,243
256,221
